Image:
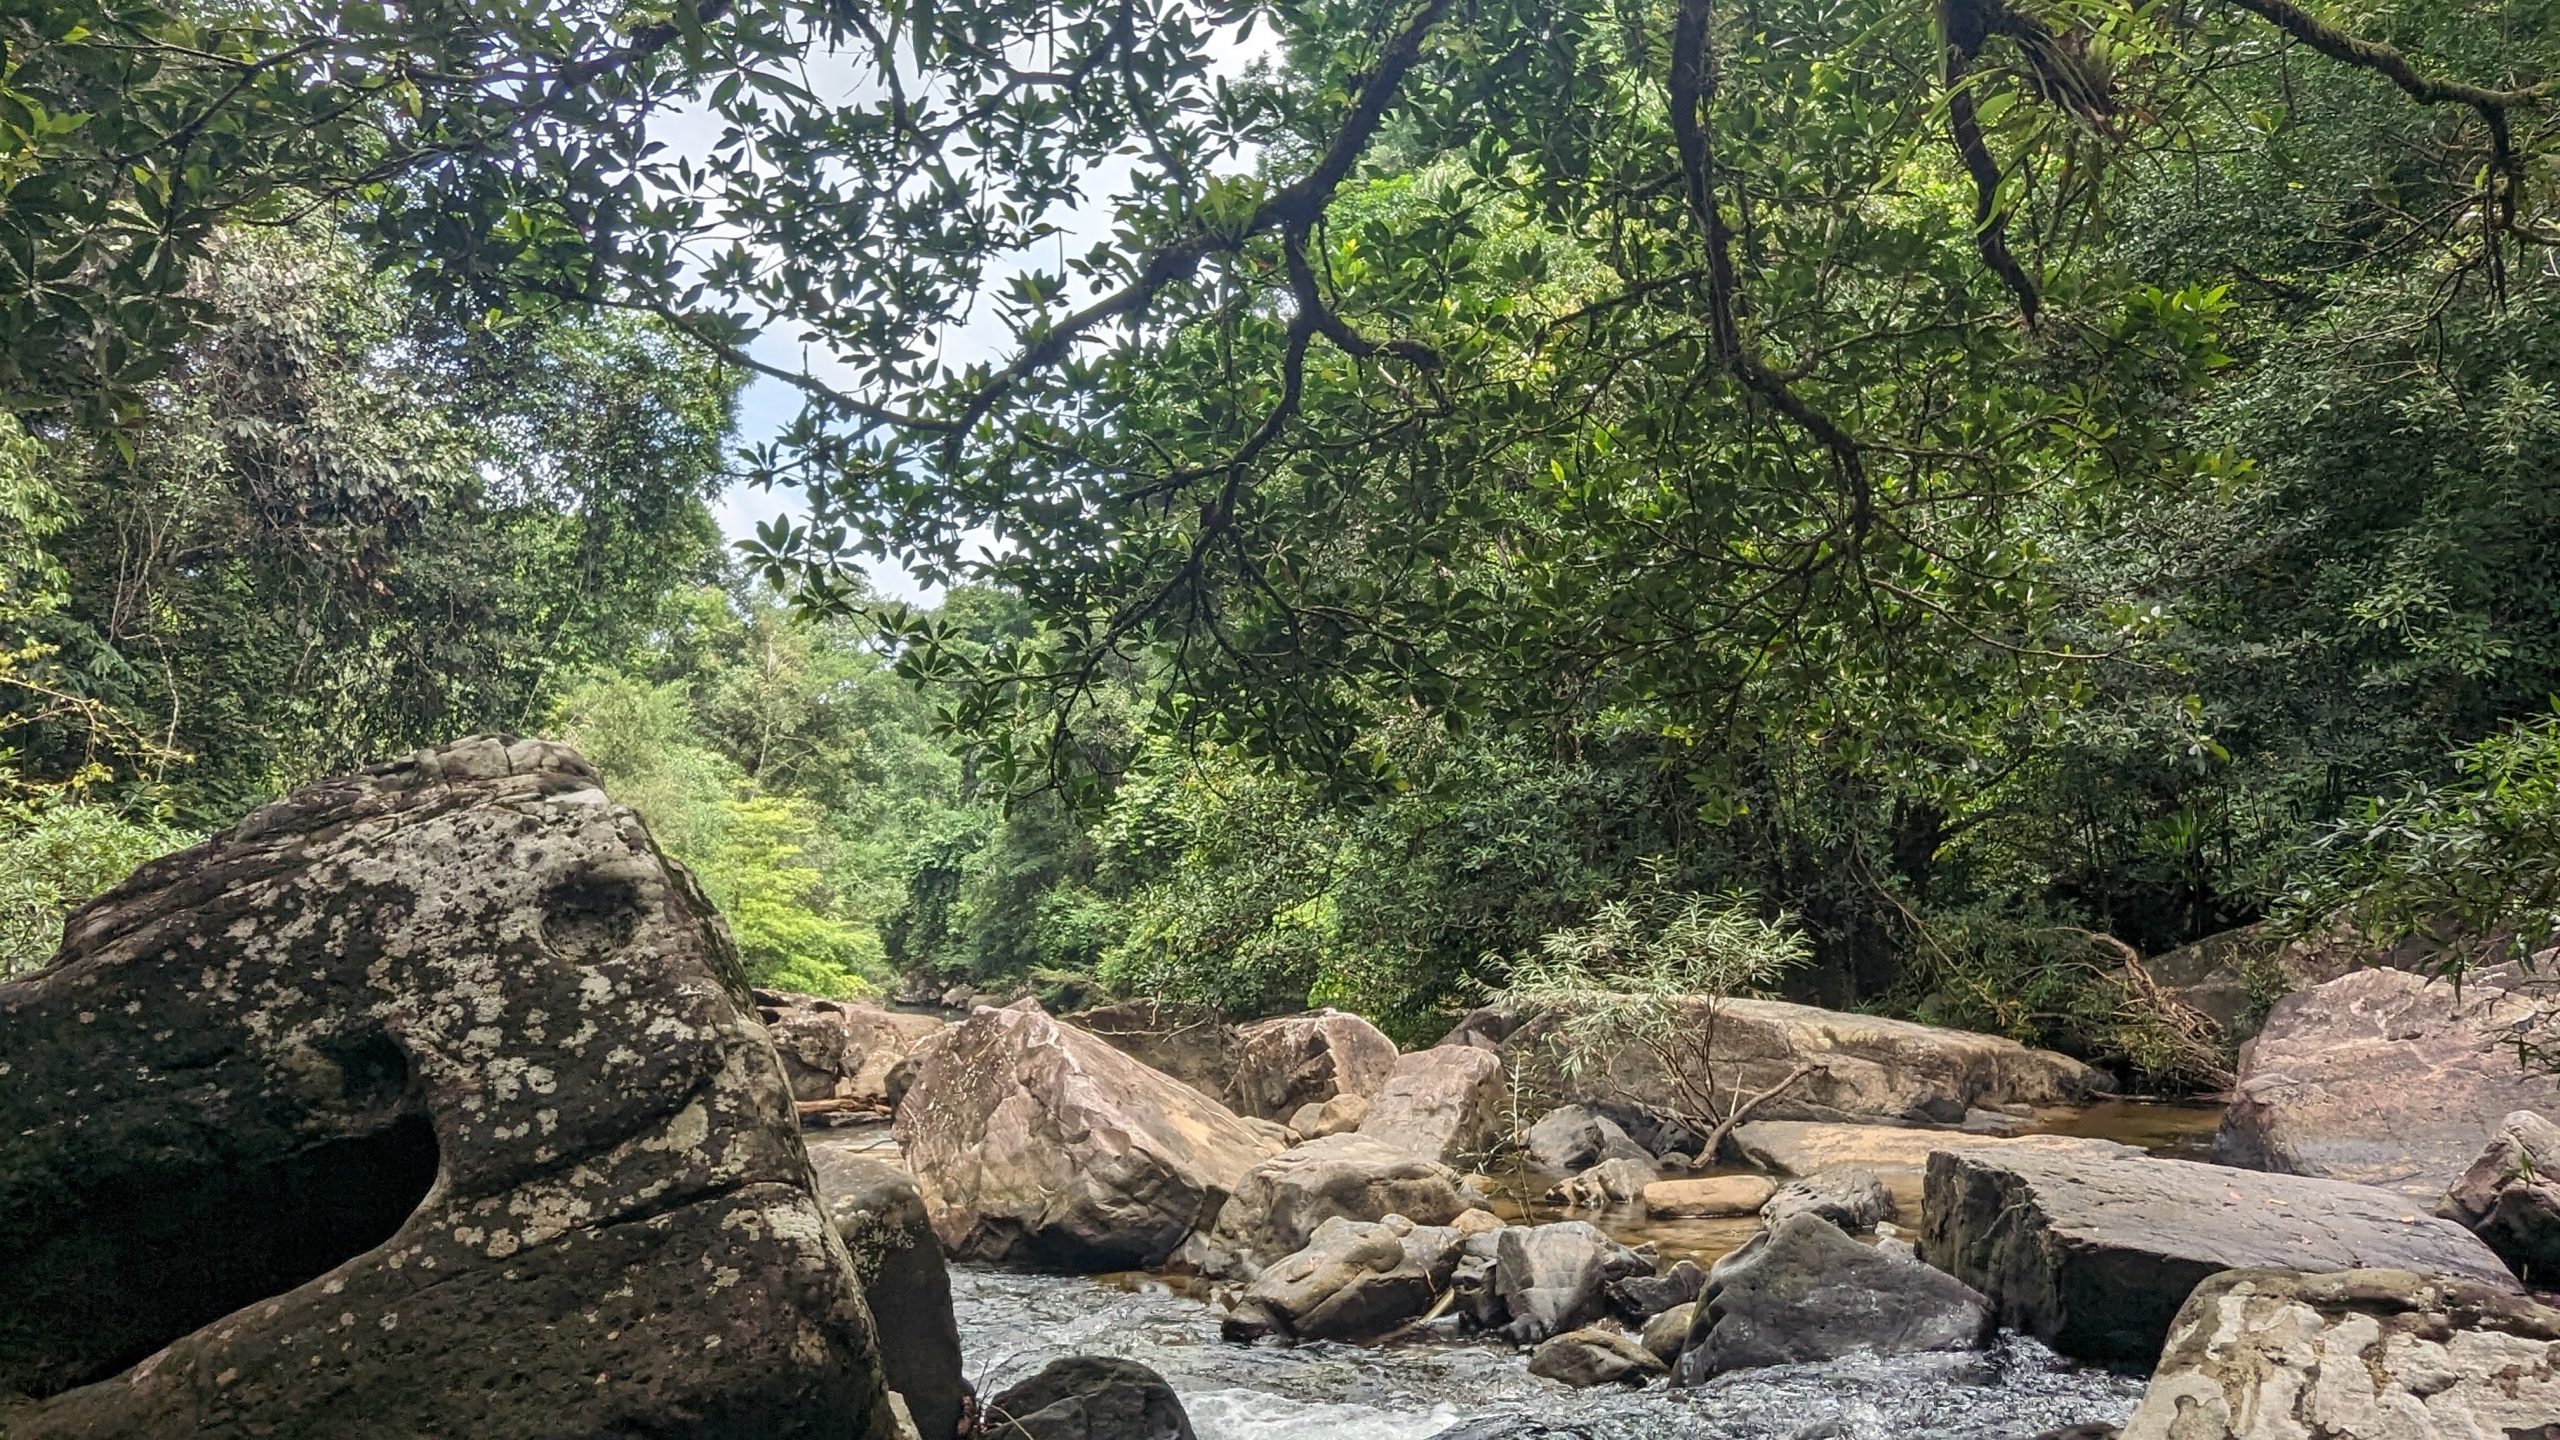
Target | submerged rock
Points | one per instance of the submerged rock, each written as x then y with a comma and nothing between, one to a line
1803,1290
425,1101
1298,1060
2510,1197
1444,1104
2094,1256
2368,1354
1089,1397
2384,1078
1033,1141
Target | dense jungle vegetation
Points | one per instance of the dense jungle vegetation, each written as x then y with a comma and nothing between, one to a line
1951,481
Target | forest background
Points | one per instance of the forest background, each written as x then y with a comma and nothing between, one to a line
2279,632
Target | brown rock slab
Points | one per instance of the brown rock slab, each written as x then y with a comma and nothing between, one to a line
1192,1043
842,1049
425,1101
1708,1196
1295,1060
2094,1255
2383,1077
1034,1141
1445,1103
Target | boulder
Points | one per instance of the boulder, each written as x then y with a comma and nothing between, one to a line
1033,1141
1306,1059
425,1101
1803,1290
842,1049
2510,1197
1338,1116
1553,1278
1640,1298
1664,1334
2385,1078
879,1213
1849,1196
1797,1147
1192,1043
1592,1356
1875,1069
2094,1256
1707,1196
1572,1138
1355,1280
1447,1103
2364,1355
1278,1203
1611,1182
1089,1397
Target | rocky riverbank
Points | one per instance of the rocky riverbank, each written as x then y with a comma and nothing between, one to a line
455,1115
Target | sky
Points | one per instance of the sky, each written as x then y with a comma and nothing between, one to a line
768,405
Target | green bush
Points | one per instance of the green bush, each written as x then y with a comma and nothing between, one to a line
55,857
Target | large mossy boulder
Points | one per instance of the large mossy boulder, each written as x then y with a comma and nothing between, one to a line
1872,1068
426,1101
2094,1255
2363,1355
2387,1078
1033,1141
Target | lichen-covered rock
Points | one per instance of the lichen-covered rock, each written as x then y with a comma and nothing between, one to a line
2510,1197
1032,1140
880,1215
1803,1290
1298,1060
1089,1397
841,1049
1277,1205
1874,1068
426,1101
1192,1043
1444,1104
2384,1078
2094,1255
2363,1355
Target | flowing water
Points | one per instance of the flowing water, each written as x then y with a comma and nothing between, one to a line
1013,1322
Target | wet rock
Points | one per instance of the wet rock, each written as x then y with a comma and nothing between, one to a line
2371,1355
1552,1278
1279,1202
1572,1138
2384,1078
1640,1298
426,1101
1593,1356
1611,1182
1876,1069
842,1049
1089,1397
1665,1333
879,1213
1708,1196
1338,1116
2510,1197
1354,1280
1192,1043
2094,1256
1849,1196
1034,1141
1446,1103
1297,1060
1804,1291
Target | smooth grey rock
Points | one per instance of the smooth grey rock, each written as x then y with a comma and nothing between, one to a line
2510,1197
879,1213
842,1049
2384,1078
1278,1203
1552,1277
2364,1355
1593,1356
1089,1397
428,1100
2094,1255
1640,1298
1849,1196
1622,1181
1804,1291
1664,1334
1572,1138
1355,1280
